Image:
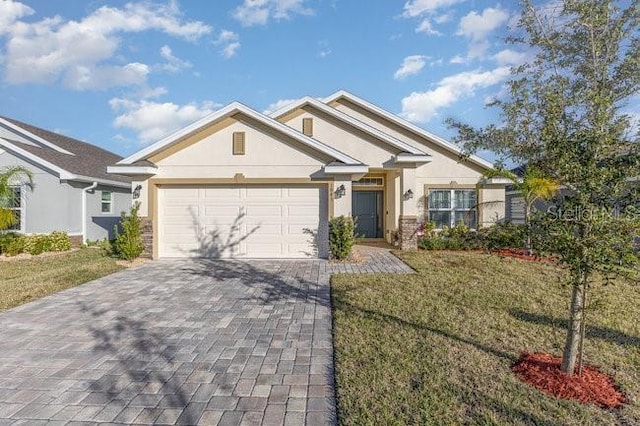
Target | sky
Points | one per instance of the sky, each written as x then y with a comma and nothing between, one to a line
122,74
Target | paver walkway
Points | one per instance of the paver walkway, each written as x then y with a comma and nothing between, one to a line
179,342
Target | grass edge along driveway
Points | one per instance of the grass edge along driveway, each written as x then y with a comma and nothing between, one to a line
436,347
24,280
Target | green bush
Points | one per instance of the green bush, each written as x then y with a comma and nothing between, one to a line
128,244
15,246
342,236
502,235
460,237
36,244
6,239
106,246
59,241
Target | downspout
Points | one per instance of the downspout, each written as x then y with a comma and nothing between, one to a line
84,210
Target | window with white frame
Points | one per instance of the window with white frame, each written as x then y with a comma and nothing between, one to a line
449,206
106,202
15,204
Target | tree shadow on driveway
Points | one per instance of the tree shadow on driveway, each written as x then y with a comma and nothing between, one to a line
144,369
269,281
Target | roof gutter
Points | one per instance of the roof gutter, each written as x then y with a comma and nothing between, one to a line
84,210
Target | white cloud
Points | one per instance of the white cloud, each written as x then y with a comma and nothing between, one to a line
413,8
96,78
429,11
425,27
230,49
10,12
78,52
154,120
410,65
279,104
423,106
258,12
477,27
173,64
229,41
509,57
151,92
325,49
457,60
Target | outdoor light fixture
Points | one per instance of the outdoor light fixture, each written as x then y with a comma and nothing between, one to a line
408,195
341,191
136,192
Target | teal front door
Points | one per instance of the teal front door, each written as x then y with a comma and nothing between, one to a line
367,209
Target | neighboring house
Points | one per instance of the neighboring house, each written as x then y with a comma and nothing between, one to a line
72,191
239,183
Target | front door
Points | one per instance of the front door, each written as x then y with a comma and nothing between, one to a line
367,210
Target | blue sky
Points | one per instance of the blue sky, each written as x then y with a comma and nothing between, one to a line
121,74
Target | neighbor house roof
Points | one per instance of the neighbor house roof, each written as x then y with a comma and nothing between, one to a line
418,131
76,160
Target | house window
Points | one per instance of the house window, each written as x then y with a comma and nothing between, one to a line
238,143
370,181
307,126
106,205
16,206
449,206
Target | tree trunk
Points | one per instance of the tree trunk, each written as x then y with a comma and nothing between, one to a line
572,345
527,223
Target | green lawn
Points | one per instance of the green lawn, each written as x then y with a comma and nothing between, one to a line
27,279
436,347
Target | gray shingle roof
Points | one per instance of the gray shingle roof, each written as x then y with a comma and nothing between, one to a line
89,160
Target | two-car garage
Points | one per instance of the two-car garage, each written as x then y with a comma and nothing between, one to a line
250,221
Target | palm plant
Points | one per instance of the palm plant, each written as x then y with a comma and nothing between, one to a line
10,177
532,186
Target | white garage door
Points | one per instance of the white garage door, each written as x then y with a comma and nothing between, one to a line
242,221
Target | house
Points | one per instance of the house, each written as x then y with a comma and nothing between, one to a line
239,183
72,191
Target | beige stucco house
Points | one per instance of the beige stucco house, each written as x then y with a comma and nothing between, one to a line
239,183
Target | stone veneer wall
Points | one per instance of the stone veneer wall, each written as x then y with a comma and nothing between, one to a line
408,232
146,230
76,240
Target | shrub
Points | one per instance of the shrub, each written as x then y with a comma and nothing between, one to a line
503,235
6,239
36,244
15,246
460,237
59,241
106,246
342,236
128,243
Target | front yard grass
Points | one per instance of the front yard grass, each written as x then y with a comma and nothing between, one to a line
436,347
27,279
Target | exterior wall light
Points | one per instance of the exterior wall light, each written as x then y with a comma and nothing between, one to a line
341,191
136,192
408,195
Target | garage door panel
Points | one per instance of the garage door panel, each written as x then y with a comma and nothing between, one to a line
263,211
221,193
213,210
264,193
268,221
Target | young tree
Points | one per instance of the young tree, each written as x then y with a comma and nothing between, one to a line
533,186
10,177
564,115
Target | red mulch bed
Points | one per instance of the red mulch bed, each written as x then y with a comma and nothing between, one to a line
523,255
542,371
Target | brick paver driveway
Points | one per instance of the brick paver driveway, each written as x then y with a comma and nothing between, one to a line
179,342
